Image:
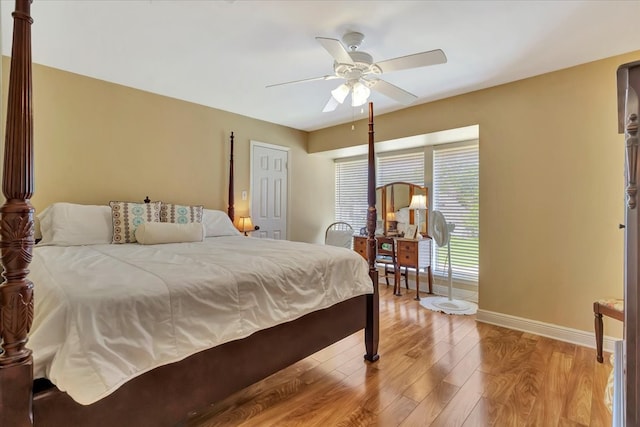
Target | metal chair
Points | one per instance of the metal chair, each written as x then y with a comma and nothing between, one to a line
340,234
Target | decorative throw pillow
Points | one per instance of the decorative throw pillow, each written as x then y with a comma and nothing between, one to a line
153,233
180,214
127,216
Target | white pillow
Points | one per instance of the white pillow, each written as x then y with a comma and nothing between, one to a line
217,223
153,233
69,224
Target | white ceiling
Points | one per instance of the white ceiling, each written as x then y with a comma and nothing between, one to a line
223,53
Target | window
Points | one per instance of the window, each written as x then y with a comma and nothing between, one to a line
351,182
456,194
351,192
406,167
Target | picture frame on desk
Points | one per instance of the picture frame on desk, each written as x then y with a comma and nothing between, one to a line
410,232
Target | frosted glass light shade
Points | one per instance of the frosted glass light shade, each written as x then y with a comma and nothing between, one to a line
340,93
360,94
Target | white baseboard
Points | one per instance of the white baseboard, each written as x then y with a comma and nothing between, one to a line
438,289
561,333
456,293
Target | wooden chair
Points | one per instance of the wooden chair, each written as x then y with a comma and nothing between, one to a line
386,256
613,308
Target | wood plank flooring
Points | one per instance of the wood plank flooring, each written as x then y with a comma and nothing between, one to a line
434,370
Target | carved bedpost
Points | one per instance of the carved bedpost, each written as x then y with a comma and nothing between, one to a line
16,233
371,332
231,209
628,112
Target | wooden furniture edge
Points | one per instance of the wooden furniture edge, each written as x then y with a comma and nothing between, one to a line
628,79
372,328
17,231
598,311
231,208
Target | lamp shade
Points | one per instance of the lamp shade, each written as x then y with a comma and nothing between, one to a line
245,224
418,201
391,216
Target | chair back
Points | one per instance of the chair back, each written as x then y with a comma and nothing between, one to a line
339,234
386,249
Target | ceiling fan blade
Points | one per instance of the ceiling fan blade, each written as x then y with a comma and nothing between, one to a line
331,105
392,91
329,77
336,49
416,60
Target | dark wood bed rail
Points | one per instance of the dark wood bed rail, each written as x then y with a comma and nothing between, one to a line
231,208
17,232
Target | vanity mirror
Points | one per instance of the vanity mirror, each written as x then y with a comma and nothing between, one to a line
394,215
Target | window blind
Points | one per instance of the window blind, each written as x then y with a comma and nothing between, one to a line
351,192
456,194
406,167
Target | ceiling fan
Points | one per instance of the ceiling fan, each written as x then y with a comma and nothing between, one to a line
361,73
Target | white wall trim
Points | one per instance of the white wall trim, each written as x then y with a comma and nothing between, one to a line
268,145
549,330
440,290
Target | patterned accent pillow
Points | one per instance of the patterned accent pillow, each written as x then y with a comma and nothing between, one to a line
127,216
180,214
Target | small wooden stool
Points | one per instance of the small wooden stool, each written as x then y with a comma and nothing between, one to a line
613,308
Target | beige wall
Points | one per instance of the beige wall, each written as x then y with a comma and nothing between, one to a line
551,188
551,172
96,141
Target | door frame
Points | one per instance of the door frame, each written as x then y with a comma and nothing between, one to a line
254,143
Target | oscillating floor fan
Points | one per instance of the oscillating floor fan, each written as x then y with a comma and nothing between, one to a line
440,233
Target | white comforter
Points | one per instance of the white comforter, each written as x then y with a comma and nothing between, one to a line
107,313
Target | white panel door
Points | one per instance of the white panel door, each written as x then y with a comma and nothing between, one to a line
269,185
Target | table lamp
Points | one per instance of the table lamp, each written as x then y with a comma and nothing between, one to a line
245,225
418,203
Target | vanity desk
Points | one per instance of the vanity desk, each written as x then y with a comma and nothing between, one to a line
410,253
395,213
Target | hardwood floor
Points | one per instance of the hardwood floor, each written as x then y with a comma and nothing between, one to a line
434,370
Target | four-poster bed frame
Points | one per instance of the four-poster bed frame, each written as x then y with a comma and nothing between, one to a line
166,395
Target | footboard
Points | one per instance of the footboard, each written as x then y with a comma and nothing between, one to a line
166,395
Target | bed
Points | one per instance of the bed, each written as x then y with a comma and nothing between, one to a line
188,379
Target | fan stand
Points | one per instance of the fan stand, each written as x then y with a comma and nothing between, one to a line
448,305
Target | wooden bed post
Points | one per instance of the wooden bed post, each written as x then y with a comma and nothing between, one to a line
231,209
371,331
16,233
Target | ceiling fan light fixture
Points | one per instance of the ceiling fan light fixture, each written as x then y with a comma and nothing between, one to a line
340,93
360,94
